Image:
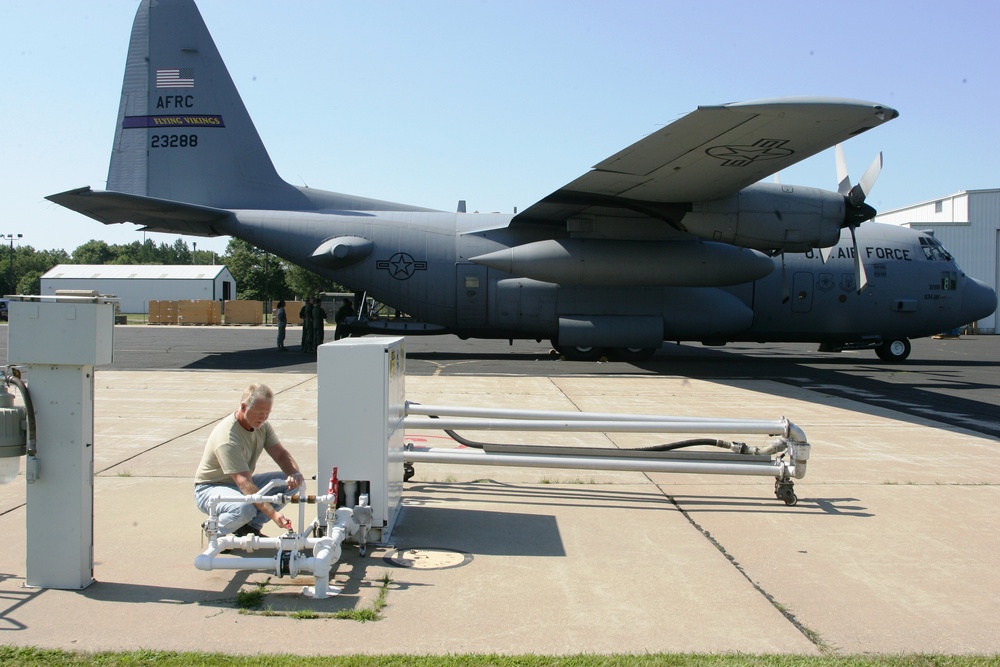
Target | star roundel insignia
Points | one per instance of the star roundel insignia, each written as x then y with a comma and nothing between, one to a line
742,156
401,266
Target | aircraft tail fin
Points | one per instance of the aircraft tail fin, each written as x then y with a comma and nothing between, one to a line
183,132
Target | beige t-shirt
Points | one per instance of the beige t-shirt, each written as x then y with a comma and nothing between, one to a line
230,449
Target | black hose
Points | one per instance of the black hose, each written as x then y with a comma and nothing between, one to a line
31,436
664,447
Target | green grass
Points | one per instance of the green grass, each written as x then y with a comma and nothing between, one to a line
253,598
32,657
249,602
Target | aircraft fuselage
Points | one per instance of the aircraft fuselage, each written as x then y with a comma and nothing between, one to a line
419,263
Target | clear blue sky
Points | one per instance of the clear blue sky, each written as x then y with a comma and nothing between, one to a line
500,103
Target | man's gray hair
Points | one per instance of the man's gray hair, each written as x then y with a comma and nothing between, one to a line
256,392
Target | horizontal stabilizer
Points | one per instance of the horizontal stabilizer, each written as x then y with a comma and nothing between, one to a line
156,215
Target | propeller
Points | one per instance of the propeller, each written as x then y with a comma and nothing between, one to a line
856,210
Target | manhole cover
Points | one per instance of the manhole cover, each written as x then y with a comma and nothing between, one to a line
428,559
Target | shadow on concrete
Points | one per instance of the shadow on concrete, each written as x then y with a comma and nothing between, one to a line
12,600
841,507
137,593
479,532
255,359
489,492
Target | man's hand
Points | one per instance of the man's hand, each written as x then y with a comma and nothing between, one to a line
282,521
294,480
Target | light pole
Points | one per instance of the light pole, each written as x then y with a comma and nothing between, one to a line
10,267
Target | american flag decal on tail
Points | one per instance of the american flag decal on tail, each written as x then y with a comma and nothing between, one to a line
175,78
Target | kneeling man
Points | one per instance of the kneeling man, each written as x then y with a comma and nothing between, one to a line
230,458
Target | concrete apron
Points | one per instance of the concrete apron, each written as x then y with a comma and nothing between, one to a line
890,549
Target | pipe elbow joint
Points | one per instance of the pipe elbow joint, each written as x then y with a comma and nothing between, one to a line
800,457
203,562
793,432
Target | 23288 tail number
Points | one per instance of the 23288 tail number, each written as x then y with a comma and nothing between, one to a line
174,141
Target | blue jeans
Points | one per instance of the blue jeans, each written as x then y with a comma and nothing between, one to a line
234,515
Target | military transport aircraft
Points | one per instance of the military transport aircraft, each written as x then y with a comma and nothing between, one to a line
673,238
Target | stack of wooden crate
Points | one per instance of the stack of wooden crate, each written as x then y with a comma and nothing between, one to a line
163,312
292,309
244,311
199,311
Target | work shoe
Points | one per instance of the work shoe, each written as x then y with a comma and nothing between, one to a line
247,529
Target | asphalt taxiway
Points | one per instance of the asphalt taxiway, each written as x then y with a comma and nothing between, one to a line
954,381
890,549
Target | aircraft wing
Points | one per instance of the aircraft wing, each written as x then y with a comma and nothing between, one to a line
156,215
710,153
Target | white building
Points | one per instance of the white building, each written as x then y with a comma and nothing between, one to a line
138,284
968,224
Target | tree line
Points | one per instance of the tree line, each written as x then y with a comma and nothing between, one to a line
259,275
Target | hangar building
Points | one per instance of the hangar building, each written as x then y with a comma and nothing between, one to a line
138,284
968,224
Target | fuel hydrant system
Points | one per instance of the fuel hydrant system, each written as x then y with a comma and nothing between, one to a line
323,537
54,343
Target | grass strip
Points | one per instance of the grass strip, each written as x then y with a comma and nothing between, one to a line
35,657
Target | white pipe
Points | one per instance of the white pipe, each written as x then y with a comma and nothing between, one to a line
258,497
267,487
475,457
800,456
301,491
507,413
608,426
326,553
204,562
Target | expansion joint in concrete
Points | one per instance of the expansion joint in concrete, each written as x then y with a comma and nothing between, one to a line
807,632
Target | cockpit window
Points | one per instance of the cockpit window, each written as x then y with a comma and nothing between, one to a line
933,250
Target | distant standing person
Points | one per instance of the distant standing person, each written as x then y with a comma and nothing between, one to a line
307,330
345,311
318,322
282,321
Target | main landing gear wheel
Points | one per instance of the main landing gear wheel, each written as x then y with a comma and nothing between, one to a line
893,351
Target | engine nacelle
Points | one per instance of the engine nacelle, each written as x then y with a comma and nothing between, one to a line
341,251
770,216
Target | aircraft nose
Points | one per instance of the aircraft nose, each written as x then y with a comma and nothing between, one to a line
978,300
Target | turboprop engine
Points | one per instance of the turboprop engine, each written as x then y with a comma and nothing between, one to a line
771,216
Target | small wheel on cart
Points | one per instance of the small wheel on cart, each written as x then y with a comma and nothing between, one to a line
785,492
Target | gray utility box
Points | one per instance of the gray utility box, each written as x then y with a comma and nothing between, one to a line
361,405
58,343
